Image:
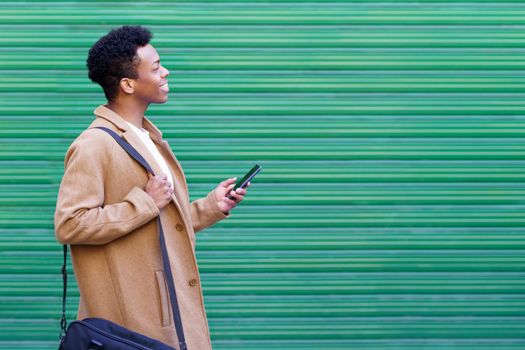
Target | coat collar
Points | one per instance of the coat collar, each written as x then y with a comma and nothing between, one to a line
129,134
104,112
155,134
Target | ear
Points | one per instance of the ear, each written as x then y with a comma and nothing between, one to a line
127,85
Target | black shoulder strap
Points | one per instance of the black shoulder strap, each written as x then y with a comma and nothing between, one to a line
128,148
165,258
63,321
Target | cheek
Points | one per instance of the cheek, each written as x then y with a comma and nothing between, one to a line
151,84
156,79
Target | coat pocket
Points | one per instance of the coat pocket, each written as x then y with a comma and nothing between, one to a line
165,309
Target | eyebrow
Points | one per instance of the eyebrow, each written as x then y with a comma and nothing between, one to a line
157,61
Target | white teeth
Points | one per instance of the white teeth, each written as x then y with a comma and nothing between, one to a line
165,86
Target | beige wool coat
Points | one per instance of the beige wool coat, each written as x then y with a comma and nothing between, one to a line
108,219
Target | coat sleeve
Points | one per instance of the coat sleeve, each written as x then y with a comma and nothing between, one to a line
80,215
205,212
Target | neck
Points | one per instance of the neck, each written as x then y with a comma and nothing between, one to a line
131,111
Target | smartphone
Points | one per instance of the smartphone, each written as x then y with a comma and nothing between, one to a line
242,183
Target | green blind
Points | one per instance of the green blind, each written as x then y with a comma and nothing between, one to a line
390,212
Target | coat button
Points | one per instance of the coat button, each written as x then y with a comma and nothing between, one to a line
179,227
193,282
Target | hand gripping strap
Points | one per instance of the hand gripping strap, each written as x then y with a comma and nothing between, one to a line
165,258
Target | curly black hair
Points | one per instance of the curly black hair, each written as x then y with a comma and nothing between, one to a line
114,56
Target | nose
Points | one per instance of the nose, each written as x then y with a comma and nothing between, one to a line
166,72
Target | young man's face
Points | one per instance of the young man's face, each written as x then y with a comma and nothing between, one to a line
151,86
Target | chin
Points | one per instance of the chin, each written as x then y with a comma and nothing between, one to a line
161,100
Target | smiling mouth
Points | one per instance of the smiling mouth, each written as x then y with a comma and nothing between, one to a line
165,87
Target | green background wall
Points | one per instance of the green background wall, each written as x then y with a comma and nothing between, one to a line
390,211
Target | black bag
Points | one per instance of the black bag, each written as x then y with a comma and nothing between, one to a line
101,334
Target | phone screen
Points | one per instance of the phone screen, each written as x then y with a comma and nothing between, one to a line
242,183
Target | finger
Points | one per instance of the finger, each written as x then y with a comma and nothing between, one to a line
160,178
231,203
229,181
238,199
231,194
241,191
228,189
242,194
237,196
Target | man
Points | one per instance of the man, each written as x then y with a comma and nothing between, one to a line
107,203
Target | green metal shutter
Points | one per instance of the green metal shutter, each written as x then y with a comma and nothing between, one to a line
390,211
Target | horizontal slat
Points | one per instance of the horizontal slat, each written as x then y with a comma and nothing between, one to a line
316,261
338,172
284,82
410,61
307,239
300,306
460,344
289,14
322,216
337,328
271,36
328,194
381,285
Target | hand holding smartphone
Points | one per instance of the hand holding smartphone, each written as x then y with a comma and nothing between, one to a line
242,183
